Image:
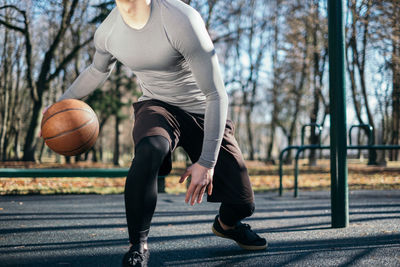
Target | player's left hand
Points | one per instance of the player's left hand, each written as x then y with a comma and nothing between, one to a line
202,178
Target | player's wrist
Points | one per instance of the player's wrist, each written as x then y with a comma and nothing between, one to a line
205,163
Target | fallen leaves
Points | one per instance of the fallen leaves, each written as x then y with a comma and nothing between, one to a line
263,177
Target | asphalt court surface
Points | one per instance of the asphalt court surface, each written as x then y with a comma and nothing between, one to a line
90,230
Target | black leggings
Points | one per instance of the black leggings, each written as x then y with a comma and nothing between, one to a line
141,190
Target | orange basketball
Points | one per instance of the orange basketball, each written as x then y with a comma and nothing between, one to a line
70,127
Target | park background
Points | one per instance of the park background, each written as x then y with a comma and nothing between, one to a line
274,60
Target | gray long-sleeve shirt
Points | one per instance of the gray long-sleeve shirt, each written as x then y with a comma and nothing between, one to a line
174,60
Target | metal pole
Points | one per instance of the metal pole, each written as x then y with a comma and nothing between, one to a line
281,167
337,95
296,164
296,172
281,172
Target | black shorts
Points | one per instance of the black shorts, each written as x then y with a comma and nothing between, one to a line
231,183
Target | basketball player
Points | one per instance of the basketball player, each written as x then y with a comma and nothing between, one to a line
184,103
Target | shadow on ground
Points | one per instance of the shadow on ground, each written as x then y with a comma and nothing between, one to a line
91,231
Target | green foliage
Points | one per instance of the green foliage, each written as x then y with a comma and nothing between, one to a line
110,102
105,104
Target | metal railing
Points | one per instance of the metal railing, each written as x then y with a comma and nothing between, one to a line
303,148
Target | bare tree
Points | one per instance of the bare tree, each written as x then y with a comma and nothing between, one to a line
276,81
47,71
248,52
319,57
360,18
11,91
297,51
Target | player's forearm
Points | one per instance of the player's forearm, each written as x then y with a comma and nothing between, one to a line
205,68
214,126
87,82
92,77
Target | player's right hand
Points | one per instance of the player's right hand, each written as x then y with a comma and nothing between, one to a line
44,111
202,179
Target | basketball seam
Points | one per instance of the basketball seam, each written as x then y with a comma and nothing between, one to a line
68,109
91,137
69,131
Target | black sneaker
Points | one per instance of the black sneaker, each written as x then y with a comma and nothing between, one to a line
241,234
136,256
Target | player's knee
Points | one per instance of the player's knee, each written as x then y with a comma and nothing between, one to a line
152,148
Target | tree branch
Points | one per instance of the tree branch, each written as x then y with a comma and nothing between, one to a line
13,7
28,45
8,25
68,58
65,21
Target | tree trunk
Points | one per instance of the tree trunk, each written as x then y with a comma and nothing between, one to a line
17,149
359,57
116,141
94,155
238,119
275,104
41,151
292,129
5,100
381,155
33,130
249,132
395,140
312,159
5,111
298,92
117,117
353,85
101,154
270,146
45,75
395,60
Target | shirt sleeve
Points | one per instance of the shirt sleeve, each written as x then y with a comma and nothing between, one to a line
192,40
94,75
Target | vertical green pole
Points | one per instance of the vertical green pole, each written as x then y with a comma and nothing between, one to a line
337,95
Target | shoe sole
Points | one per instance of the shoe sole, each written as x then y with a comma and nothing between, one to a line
243,246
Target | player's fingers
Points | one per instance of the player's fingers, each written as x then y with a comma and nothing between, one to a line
183,178
189,193
195,194
210,188
202,191
185,175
